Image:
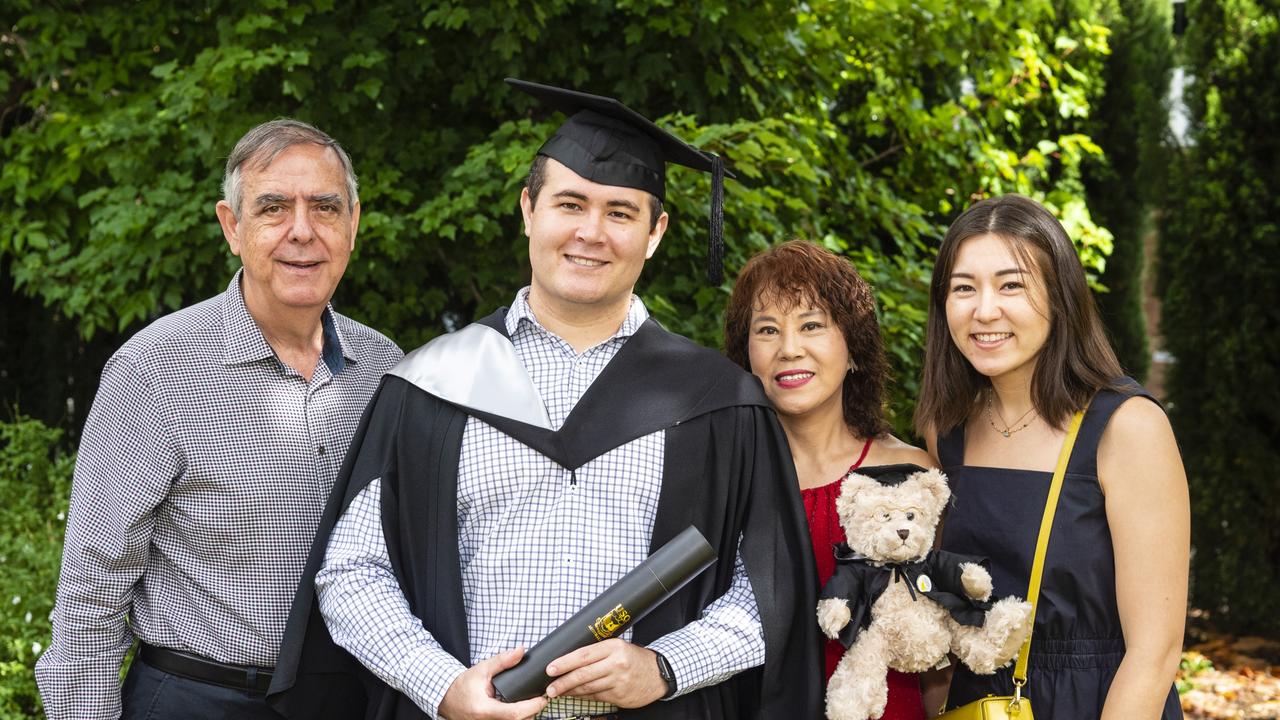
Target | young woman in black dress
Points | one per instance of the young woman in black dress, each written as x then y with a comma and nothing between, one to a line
1014,348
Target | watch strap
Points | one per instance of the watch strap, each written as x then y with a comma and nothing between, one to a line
667,674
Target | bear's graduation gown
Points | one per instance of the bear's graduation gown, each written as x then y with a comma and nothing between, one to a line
727,470
859,583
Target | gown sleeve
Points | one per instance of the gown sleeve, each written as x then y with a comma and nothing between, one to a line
367,613
851,583
314,677
948,588
778,553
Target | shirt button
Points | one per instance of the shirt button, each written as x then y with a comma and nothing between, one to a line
320,450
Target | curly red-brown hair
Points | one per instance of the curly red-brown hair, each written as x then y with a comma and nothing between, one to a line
800,272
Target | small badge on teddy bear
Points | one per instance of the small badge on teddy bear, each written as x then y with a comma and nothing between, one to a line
896,603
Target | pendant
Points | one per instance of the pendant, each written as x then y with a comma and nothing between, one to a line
1004,433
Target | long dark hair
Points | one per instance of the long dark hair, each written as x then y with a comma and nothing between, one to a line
798,272
1076,360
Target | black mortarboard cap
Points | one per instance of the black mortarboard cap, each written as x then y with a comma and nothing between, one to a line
890,474
607,142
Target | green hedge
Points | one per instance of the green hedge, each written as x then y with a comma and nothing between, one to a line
1130,125
35,488
865,126
1219,255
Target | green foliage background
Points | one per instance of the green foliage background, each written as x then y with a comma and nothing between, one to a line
866,126
863,125
1220,247
35,488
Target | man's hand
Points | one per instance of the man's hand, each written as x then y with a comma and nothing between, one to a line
612,671
471,695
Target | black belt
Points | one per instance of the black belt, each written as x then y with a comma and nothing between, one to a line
608,716
194,667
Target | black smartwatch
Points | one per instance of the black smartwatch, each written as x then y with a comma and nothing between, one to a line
668,676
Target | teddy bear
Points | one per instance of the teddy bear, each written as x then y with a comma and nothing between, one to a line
894,602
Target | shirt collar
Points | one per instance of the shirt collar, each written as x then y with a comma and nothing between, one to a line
332,349
243,340
521,312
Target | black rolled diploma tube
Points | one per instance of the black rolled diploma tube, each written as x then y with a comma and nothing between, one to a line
611,612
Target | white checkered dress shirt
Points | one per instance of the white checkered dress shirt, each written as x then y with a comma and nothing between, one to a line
536,545
203,469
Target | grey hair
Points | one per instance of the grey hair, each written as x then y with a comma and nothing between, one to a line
264,143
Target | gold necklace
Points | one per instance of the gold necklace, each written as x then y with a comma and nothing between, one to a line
1007,431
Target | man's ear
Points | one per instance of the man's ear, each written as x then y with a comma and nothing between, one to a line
526,209
355,225
230,225
655,235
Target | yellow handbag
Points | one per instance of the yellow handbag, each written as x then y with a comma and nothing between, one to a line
1016,707
993,707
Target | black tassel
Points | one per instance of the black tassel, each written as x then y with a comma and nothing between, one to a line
715,241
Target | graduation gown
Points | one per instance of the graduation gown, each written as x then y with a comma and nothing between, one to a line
727,470
860,583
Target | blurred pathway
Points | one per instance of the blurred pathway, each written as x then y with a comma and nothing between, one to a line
1226,677
1160,360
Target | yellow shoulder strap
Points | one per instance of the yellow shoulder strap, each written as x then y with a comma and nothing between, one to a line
1042,542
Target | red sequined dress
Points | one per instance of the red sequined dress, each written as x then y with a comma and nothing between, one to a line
905,702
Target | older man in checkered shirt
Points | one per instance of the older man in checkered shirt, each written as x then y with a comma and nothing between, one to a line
211,446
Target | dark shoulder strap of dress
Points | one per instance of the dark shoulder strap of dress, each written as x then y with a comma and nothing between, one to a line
1084,458
951,447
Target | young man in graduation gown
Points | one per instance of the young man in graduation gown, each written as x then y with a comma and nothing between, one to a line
507,473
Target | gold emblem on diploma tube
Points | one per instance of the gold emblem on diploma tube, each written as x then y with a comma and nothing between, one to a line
608,624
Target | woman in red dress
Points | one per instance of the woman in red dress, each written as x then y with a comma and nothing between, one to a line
803,321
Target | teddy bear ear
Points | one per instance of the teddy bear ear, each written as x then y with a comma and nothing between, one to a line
934,482
849,490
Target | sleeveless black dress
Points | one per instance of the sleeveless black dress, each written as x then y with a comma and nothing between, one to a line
1077,644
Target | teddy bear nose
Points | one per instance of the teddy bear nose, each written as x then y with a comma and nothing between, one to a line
903,533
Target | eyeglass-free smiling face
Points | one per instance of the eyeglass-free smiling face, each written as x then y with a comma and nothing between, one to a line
800,356
587,242
997,308
295,232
